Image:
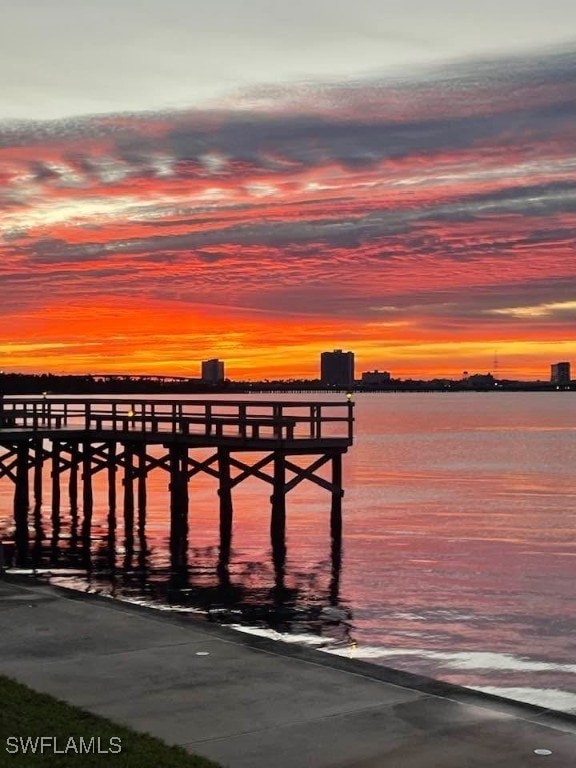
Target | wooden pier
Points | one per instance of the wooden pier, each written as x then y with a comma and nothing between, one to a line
79,437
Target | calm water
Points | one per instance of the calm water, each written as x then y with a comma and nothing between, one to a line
458,556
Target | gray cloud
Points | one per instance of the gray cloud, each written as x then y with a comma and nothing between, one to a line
75,57
389,120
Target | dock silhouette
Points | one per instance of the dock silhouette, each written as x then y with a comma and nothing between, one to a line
76,438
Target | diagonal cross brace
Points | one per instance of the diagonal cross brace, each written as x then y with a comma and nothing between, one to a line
307,473
202,466
253,470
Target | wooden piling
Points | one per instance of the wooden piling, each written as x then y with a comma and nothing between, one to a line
55,489
337,494
128,483
111,468
73,478
38,533
226,510
142,493
87,494
178,487
278,499
22,504
38,463
335,570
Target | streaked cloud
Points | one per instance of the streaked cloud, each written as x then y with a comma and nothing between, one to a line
415,218
540,310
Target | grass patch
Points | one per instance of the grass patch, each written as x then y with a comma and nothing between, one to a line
27,715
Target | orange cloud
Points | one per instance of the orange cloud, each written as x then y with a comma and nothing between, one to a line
417,225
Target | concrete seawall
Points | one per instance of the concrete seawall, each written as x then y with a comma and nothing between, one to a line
250,702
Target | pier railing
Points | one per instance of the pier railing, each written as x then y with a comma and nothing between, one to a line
243,419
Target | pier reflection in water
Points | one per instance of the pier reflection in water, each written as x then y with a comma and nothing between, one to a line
216,581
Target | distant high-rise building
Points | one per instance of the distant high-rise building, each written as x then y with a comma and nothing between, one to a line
213,371
375,378
337,368
560,373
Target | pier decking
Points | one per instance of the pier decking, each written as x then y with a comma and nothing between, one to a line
79,437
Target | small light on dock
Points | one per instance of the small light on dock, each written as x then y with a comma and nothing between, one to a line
130,413
348,396
44,395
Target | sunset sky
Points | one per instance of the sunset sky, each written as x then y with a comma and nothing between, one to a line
261,181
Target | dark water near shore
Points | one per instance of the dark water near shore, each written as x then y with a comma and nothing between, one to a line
458,557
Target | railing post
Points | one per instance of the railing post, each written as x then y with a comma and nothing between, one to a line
242,422
350,420
276,421
317,421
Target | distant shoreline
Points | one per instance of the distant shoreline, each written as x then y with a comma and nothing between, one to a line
50,384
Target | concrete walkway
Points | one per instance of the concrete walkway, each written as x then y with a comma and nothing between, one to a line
254,703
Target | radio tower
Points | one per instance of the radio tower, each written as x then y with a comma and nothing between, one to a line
496,364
